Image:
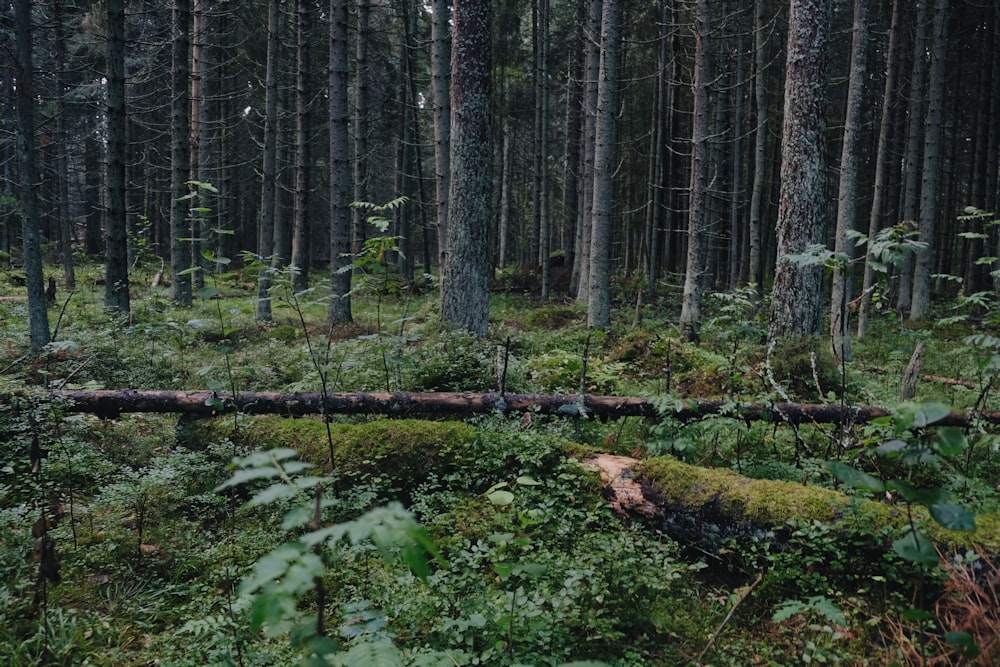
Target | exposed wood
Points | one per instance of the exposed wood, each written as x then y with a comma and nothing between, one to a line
111,403
908,388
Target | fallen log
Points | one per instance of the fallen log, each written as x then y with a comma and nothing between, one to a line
112,403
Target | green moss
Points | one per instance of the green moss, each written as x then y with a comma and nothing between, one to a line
765,502
404,449
770,503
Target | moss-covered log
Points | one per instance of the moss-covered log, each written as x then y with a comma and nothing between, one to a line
674,486
111,403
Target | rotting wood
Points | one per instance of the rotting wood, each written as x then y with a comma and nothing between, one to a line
112,403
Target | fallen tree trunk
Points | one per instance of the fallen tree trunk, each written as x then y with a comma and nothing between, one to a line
111,403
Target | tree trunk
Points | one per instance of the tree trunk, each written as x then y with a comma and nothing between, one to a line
697,250
796,299
911,158
112,403
599,294
581,267
440,69
848,190
116,287
38,319
300,207
881,167
180,155
757,206
269,176
542,90
468,269
339,311
362,125
65,218
931,171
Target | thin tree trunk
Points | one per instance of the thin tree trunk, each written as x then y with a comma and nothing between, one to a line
339,311
697,250
757,207
180,154
440,77
914,139
931,171
545,219
116,287
582,267
300,208
38,319
599,294
796,297
62,176
362,126
848,189
269,176
881,166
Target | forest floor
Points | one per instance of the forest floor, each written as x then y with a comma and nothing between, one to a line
491,540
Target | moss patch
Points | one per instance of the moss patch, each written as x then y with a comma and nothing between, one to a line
769,503
404,449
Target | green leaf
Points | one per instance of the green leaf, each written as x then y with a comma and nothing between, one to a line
855,478
503,570
501,497
931,413
272,493
208,292
525,480
913,494
246,475
915,548
370,654
965,642
950,440
953,517
890,448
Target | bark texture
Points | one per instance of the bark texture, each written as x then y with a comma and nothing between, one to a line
465,290
339,311
116,290
802,208
111,403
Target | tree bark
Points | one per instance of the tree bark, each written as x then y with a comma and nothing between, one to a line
339,311
440,83
300,208
931,171
848,190
112,403
881,167
180,154
697,250
581,265
38,319
269,175
116,286
468,269
62,176
796,298
911,157
599,294
757,207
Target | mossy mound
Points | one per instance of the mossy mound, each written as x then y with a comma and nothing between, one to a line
405,450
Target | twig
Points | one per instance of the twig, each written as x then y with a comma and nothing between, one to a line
732,610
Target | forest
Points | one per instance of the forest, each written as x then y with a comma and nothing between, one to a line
530,332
